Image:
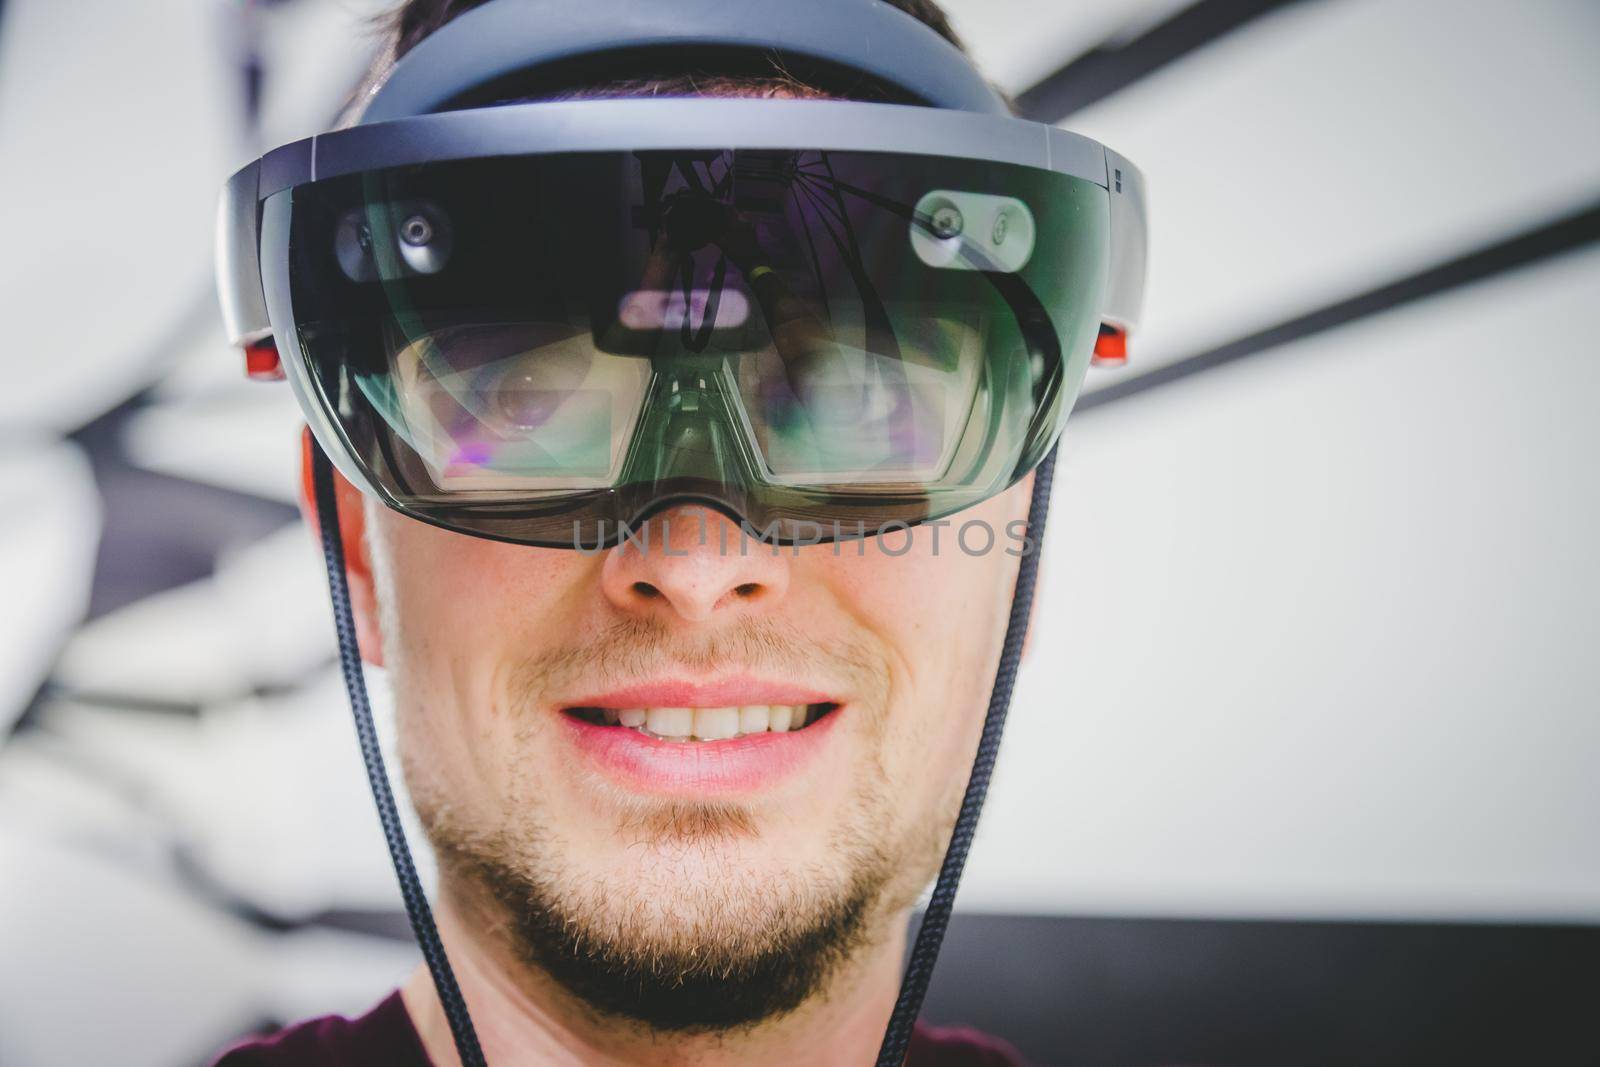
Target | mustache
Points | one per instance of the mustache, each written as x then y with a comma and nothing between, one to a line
634,650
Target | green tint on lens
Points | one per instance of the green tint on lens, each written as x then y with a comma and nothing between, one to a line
527,347
509,406
844,414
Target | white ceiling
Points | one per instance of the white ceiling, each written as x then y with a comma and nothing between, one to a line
1331,147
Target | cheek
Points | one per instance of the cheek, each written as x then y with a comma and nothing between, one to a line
941,612
456,610
459,589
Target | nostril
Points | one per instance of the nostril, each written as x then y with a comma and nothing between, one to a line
646,590
748,589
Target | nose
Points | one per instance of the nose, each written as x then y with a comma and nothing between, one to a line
693,564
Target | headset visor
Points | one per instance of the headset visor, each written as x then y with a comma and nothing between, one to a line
549,348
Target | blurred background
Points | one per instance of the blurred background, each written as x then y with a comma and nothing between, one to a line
1305,764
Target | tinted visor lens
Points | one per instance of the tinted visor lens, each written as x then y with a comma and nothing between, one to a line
542,348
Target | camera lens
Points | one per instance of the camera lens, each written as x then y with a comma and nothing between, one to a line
352,245
1001,240
946,221
426,240
416,231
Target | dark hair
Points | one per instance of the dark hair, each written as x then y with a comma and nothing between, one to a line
663,73
414,20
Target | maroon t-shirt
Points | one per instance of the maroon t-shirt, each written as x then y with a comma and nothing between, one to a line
384,1037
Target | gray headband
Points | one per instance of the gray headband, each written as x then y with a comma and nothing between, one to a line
510,37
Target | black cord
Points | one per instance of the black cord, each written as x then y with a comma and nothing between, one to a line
930,935
417,910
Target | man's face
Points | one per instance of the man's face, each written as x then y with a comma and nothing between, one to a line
691,884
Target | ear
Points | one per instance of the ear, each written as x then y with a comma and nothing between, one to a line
353,535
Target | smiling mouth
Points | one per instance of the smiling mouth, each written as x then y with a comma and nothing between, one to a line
700,725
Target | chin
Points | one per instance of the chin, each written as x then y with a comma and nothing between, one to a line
680,917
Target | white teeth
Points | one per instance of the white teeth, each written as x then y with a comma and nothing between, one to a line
710,724
670,722
716,724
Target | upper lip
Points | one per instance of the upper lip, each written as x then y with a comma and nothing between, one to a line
729,691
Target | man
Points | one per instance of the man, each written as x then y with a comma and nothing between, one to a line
684,790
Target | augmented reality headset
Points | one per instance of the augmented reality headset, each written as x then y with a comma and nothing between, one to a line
545,322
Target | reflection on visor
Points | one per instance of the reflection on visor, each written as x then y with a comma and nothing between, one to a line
752,329
511,405
842,414
656,309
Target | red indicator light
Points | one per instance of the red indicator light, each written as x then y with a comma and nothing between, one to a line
1111,347
261,363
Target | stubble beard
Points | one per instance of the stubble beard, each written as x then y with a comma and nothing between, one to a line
692,941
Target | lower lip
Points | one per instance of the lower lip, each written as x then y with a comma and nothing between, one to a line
700,768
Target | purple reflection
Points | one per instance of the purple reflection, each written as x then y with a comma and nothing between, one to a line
472,454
